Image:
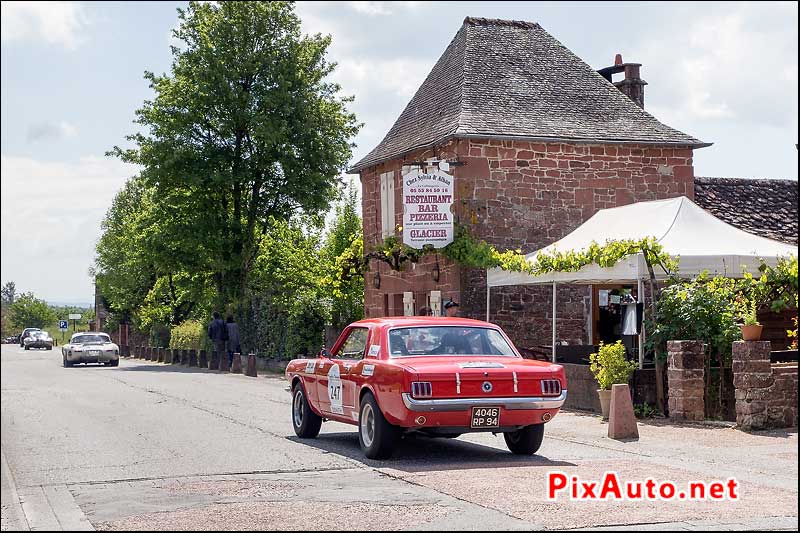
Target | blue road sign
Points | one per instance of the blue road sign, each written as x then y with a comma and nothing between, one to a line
62,325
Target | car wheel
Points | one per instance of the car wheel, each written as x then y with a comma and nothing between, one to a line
67,363
376,436
306,422
525,441
27,347
115,362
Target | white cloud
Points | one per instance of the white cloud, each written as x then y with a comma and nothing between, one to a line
60,23
43,131
51,221
729,66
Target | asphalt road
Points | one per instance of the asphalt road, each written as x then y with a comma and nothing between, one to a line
158,447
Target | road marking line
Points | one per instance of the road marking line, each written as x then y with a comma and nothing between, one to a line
12,487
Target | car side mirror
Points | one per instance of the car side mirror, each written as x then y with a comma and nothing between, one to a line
324,353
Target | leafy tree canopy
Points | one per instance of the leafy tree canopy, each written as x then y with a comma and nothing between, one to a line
243,130
30,312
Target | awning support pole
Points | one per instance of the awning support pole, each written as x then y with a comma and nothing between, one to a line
488,293
554,321
640,297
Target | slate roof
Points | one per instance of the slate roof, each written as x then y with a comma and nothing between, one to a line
764,207
513,79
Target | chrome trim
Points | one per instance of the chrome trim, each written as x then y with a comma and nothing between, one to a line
515,381
464,404
458,384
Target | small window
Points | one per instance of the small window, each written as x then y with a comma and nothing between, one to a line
355,345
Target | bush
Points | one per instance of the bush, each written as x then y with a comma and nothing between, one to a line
159,336
190,335
609,365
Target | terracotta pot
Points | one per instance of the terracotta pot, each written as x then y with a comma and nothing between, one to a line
605,402
751,333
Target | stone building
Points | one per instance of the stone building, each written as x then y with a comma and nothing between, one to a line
537,142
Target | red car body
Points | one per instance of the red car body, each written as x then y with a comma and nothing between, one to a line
440,395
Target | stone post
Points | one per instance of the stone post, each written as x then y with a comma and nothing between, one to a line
160,357
168,356
251,365
685,375
752,378
224,362
192,357
213,363
236,367
184,357
202,359
147,351
176,357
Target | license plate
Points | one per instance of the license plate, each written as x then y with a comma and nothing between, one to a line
485,417
94,352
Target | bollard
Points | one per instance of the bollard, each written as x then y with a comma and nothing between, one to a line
224,362
176,357
147,353
236,367
251,365
621,420
213,363
160,355
184,357
167,356
202,359
137,352
192,357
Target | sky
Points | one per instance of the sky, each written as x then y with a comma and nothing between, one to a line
72,79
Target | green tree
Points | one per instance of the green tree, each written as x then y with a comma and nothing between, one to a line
346,295
244,129
30,312
8,292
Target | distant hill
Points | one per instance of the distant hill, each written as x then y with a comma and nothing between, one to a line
71,303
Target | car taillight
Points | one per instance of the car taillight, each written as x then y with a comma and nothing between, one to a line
421,389
551,387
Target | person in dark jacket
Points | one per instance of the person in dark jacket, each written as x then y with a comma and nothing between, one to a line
218,334
233,337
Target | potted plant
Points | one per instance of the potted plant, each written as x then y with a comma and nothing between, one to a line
751,328
609,367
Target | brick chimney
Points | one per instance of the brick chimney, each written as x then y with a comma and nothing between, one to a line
632,85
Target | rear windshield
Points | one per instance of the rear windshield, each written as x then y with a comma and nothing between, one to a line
38,334
84,339
447,340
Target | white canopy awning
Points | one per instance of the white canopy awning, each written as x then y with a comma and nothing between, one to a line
700,240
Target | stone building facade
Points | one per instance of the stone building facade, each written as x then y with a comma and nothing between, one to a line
537,142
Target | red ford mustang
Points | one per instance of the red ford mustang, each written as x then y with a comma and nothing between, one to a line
438,376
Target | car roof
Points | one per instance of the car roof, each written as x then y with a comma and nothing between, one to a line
408,321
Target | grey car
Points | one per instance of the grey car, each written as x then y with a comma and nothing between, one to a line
38,339
90,347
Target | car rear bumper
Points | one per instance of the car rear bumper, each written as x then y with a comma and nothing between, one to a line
40,345
85,358
465,404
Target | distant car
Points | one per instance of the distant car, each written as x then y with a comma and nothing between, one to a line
38,339
24,334
90,347
440,377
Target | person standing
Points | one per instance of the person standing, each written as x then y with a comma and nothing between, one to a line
451,308
233,338
218,334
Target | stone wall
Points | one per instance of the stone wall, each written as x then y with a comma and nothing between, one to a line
522,195
766,394
685,373
582,387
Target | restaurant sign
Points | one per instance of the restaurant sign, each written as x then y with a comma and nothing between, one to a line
427,199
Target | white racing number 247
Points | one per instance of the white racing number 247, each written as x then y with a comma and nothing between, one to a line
335,390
